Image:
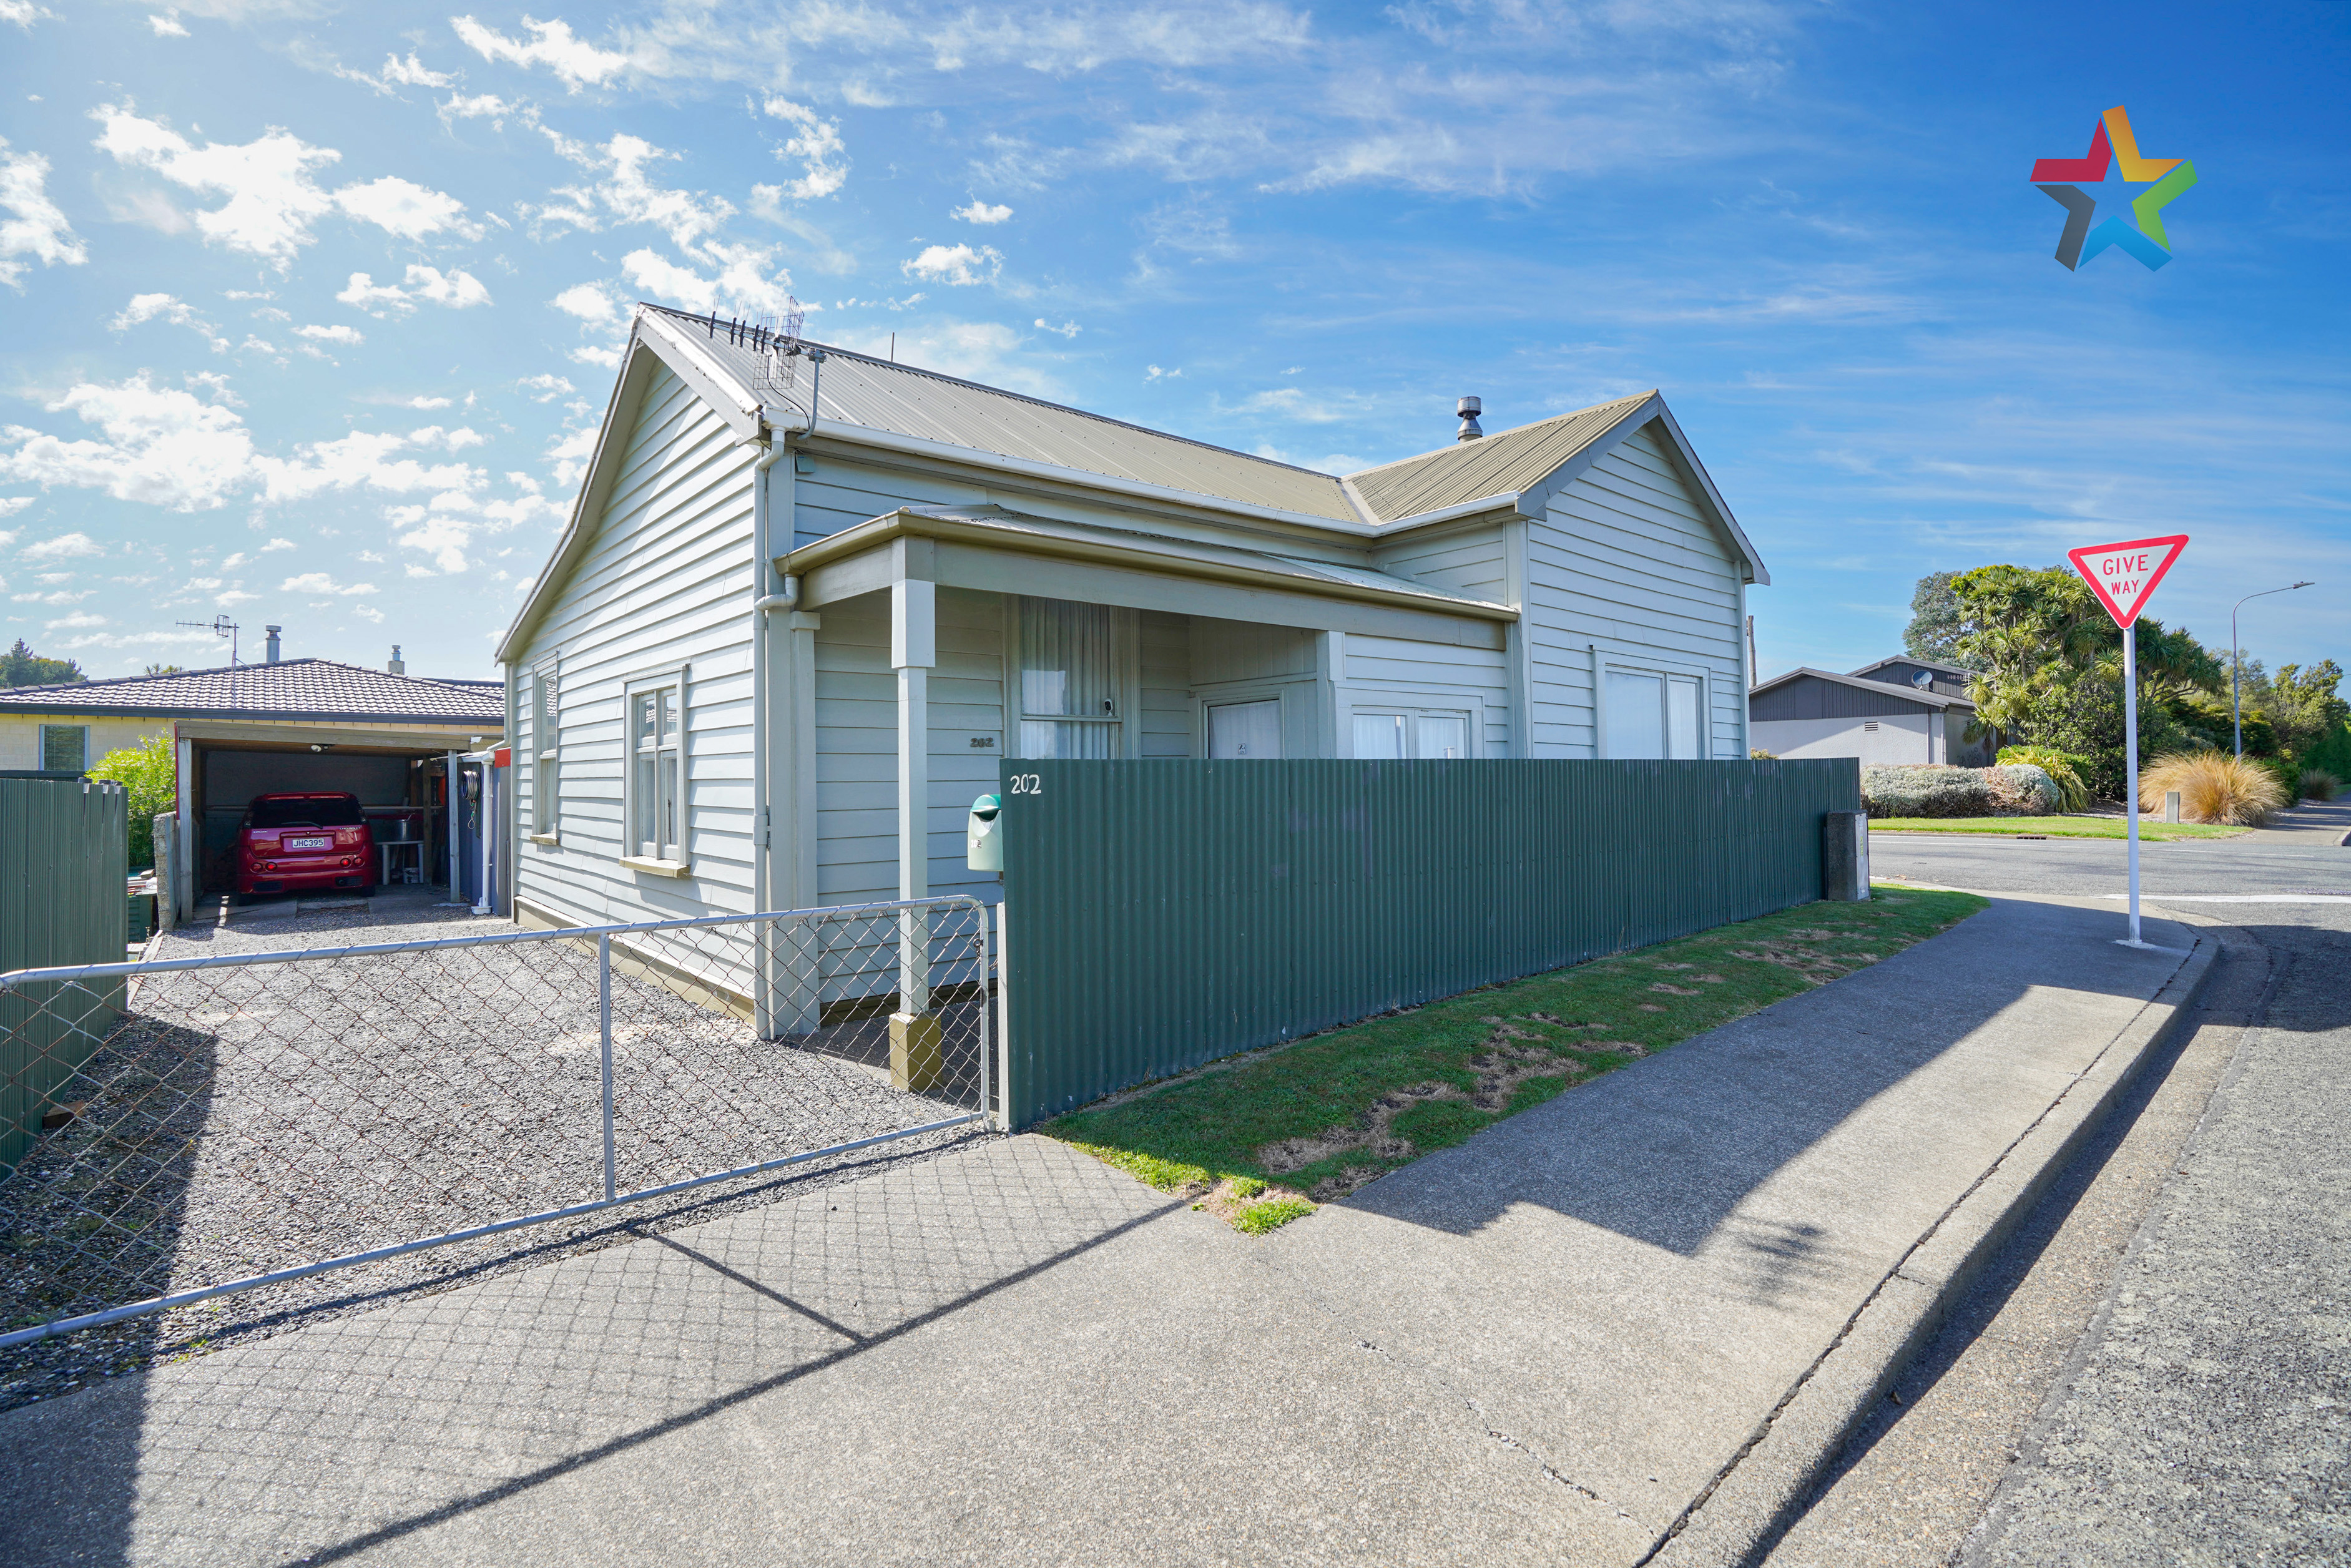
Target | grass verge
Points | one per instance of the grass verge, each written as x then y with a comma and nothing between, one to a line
2053,827
1263,1138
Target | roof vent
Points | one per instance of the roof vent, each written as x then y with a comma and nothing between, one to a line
1468,408
398,667
271,655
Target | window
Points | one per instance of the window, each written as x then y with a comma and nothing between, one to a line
65,747
1653,714
1411,733
543,721
1251,729
656,787
1070,678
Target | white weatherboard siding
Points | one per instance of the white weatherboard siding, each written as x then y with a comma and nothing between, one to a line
1892,738
1625,559
665,579
1470,561
1388,675
857,744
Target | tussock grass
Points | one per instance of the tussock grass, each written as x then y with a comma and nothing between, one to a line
1263,1139
2214,787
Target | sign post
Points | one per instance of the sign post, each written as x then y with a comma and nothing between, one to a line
2122,577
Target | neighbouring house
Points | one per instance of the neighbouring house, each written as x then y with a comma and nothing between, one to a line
807,601
1894,711
254,729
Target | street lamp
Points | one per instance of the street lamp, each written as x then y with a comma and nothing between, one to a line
2237,659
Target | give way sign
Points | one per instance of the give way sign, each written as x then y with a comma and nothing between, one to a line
2123,576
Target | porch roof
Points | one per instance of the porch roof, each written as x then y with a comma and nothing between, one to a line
999,529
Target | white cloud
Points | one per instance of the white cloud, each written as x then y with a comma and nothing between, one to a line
426,403
168,26
367,612
588,301
816,144
1067,328
79,618
979,212
455,288
551,44
444,538
348,337
608,359
146,308
545,389
455,440
9,506
959,264
319,582
272,190
36,225
64,546
569,454
167,448
276,545
406,209
24,13
1154,373
411,72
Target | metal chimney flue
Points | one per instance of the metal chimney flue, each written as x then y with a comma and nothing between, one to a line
271,656
1468,408
397,666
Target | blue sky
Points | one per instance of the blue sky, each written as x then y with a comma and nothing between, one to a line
311,306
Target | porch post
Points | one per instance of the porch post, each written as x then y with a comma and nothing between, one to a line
914,1058
791,785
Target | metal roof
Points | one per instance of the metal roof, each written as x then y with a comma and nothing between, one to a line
858,388
1507,462
1920,695
312,689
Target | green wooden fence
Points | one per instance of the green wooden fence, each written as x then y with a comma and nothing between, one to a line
63,847
1163,913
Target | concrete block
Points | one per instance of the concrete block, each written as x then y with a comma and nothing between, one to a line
917,1063
1845,856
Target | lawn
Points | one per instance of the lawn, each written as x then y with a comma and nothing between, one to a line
2053,827
1260,1139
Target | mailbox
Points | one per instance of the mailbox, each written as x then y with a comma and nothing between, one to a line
984,849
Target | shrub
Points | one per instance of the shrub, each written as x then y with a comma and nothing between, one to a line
2317,784
1757,754
2022,789
1923,790
2214,787
2063,769
151,776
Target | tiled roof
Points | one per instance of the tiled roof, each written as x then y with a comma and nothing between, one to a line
316,689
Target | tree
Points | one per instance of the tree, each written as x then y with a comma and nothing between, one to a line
20,667
2301,705
165,669
1934,628
148,771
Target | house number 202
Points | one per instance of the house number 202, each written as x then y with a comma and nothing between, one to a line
1028,784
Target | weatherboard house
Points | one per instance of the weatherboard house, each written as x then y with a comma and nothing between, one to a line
805,603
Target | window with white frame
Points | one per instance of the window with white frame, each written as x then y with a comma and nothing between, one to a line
1654,713
544,749
1249,729
1411,732
655,803
1071,675
65,747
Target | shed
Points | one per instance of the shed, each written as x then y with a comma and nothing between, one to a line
251,729
1819,713
808,600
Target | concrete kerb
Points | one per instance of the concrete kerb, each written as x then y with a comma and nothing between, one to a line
1762,1488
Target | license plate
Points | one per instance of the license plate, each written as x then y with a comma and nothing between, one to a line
309,843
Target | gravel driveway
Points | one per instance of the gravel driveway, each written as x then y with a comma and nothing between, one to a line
249,1119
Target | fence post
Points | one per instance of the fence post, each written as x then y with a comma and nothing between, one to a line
1003,1016
604,1029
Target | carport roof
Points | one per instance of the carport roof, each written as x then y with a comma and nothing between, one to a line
316,690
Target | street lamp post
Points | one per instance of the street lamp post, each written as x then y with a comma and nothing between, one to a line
2237,659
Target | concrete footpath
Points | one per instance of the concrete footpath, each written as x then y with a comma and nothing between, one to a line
1625,1326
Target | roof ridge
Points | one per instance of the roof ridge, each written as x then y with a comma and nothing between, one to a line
1024,397
1499,435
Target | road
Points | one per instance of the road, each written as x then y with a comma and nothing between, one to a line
2157,1366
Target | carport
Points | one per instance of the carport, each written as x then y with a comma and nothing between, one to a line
387,736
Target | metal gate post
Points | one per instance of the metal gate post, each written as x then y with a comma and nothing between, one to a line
604,1029
1003,1015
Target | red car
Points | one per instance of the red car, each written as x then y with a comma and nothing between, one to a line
292,843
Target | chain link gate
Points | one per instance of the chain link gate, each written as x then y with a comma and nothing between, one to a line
248,1123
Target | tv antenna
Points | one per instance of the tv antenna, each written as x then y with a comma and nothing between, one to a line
221,626
777,341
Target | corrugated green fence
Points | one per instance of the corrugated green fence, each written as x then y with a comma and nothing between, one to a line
63,848
1163,913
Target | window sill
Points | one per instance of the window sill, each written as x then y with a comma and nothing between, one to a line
547,838
657,868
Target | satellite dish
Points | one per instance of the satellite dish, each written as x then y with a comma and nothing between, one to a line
1922,679
777,341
